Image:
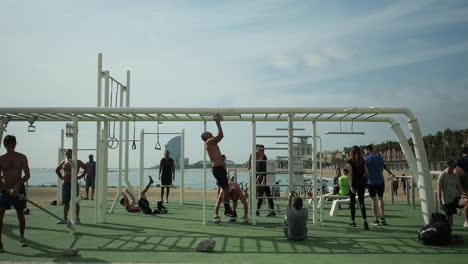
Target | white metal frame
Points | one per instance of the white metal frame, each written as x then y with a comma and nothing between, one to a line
103,115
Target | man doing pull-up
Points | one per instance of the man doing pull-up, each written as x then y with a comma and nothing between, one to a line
219,169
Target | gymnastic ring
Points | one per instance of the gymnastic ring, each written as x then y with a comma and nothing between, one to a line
113,142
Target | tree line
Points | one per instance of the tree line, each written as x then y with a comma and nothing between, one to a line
444,145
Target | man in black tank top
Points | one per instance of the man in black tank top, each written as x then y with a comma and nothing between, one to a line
166,174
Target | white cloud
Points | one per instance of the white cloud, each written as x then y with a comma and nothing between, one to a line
285,63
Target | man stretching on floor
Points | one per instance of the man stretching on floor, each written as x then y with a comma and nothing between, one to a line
143,204
234,194
219,169
12,166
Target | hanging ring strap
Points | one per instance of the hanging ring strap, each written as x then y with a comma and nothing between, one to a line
158,145
134,129
112,141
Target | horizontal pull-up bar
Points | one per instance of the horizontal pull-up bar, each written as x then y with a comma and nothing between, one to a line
285,172
282,129
280,136
79,149
344,133
154,133
274,148
296,143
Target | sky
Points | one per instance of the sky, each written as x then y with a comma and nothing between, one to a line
235,54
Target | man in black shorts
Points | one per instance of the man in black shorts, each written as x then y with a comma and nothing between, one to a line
12,166
166,174
450,194
262,190
143,203
376,182
219,166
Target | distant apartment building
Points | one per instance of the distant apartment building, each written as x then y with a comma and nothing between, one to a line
173,146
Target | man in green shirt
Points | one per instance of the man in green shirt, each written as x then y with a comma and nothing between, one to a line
343,182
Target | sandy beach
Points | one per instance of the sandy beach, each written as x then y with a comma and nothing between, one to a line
44,195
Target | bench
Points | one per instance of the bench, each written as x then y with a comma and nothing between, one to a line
337,200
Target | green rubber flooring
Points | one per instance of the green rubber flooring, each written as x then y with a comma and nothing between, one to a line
172,238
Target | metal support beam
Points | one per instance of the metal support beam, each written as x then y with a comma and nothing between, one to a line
182,166
142,161
314,169
253,174
204,177
74,170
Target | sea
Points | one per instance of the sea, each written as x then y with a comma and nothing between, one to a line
193,178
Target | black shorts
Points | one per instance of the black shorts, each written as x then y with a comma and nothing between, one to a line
90,182
374,189
144,206
66,192
6,200
220,175
451,208
166,179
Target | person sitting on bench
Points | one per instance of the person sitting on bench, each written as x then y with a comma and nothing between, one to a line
295,219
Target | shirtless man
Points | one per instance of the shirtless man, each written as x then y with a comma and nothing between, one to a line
234,194
143,204
219,171
12,165
66,186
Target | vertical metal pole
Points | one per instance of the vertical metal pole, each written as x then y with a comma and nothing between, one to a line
98,141
314,169
405,147
292,186
182,165
105,150
321,181
253,174
413,186
2,129
204,177
425,179
392,191
407,190
127,133
142,160
74,163
60,158
119,188
103,172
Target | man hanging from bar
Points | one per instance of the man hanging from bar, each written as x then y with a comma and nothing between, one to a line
219,171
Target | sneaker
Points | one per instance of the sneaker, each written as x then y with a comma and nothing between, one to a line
77,221
257,213
352,224
465,224
86,198
374,222
150,181
271,214
62,222
79,198
382,221
22,242
227,210
366,226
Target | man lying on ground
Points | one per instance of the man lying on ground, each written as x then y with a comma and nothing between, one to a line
142,205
